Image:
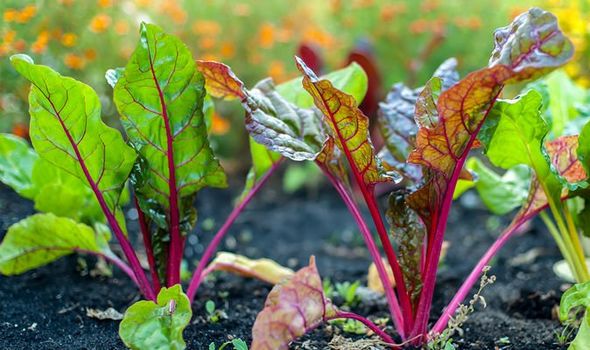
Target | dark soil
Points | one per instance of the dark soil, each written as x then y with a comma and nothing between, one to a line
46,308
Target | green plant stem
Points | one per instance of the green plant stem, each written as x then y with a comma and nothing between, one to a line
575,238
563,248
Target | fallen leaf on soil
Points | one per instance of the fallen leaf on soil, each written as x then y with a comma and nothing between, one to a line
108,314
263,269
373,280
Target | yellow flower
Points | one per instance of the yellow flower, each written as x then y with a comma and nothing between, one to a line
69,39
10,15
143,3
74,61
100,23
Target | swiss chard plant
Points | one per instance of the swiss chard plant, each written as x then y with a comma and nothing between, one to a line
78,169
429,133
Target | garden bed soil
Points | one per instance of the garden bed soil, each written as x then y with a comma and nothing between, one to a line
46,308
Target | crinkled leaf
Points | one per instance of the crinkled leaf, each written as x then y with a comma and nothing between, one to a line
408,231
532,45
351,80
160,98
16,164
291,309
263,269
67,131
347,125
43,238
159,325
396,117
271,120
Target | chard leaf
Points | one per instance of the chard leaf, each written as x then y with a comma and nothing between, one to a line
43,238
159,325
67,131
408,231
531,46
575,297
501,193
263,269
16,164
584,147
221,82
396,117
291,309
563,97
52,189
347,125
160,98
272,121
351,80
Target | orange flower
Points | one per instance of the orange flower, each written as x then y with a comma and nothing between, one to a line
66,2
143,3
74,61
40,45
419,26
9,36
276,70
20,130
319,37
219,125
20,45
228,49
121,27
10,15
206,43
210,28
4,49
100,23
242,10
26,14
209,57
105,3
69,39
90,54
266,35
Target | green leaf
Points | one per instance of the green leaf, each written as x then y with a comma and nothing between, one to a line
500,193
351,80
582,340
16,164
239,344
577,296
148,325
563,98
67,131
160,98
584,147
43,238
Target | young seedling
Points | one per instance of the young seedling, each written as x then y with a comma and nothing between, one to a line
347,291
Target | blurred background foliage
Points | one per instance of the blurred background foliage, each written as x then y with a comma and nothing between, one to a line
404,39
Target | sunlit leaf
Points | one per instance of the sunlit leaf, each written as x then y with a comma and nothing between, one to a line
67,131
348,127
43,238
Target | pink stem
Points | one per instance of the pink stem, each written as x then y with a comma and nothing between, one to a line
394,308
373,327
212,247
149,250
475,274
175,247
126,246
440,226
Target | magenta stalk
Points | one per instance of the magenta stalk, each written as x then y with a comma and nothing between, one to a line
380,333
198,275
394,308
